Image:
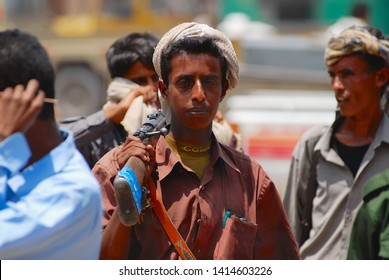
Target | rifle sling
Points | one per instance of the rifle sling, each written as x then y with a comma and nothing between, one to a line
174,236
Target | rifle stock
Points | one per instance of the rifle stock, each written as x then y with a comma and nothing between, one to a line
127,183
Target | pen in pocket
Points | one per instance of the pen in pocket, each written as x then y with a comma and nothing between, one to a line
235,217
226,216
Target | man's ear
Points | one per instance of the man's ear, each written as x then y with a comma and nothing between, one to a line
162,89
382,77
164,100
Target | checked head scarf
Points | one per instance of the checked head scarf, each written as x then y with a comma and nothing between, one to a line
355,39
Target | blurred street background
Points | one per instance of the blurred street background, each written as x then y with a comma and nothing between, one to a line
284,86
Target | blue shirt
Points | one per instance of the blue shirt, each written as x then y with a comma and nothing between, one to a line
51,209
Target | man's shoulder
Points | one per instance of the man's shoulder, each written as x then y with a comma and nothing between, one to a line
231,152
313,133
240,159
308,142
70,179
253,175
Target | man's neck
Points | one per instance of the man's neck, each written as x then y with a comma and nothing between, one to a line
42,137
359,131
190,136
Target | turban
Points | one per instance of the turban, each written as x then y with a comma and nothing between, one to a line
355,39
192,29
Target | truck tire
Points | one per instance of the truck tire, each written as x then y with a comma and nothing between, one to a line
80,91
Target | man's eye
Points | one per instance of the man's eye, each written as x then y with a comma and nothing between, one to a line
344,75
210,82
183,83
155,78
140,81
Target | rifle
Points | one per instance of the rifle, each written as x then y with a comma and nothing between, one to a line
128,191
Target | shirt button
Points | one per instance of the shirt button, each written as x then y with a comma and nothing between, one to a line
198,221
348,216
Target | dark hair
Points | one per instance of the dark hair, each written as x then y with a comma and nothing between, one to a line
23,58
125,51
374,62
192,45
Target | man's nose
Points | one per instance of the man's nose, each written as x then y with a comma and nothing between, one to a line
198,91
337,84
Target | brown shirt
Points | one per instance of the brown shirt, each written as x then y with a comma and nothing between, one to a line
197,208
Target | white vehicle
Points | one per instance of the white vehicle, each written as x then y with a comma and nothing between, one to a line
272,121
77,33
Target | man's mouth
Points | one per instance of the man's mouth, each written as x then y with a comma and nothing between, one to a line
341,99
198,110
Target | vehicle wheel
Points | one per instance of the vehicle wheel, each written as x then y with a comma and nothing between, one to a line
79,90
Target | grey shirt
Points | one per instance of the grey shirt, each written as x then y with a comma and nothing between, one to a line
338,196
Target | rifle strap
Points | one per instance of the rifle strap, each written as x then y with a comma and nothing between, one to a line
174,236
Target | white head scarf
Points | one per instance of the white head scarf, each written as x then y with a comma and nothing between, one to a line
193,29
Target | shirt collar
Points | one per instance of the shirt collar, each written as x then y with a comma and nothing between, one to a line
382,134
219,152
53,162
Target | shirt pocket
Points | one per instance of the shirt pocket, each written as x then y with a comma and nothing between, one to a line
237,240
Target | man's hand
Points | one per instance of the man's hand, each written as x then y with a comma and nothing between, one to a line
149,94
19,108
116,112
134,147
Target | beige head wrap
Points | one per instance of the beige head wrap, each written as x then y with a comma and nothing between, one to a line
352,40
193,29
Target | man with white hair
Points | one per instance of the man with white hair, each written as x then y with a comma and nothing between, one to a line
218,203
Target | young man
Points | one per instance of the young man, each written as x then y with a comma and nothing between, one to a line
347,154
222,203
50,203
132,95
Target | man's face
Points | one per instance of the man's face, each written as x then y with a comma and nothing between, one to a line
195,90
356,88
142,75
